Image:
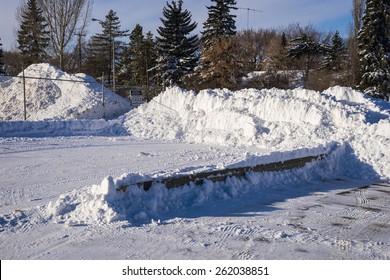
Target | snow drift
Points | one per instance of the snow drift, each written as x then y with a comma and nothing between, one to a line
352,128
58,95
263,118
272,119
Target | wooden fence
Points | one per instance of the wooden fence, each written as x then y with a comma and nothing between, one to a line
221,175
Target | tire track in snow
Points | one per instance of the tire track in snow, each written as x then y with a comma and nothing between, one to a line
378,223
228,231
355,217
229,234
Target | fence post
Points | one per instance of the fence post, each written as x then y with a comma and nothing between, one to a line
104,108
24,96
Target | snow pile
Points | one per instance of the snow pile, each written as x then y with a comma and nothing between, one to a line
350,127
272,119
64,96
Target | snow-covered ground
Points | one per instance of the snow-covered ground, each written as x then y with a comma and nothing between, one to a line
61,196
286,215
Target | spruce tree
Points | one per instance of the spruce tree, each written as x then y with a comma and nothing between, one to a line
308,49
98,59
138,57
33,37
220,22
335,54
219,51
103,46
150,56
138,63
220,65
125,74
176,47
374,49
2,67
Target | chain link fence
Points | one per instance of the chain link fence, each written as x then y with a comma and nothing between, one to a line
24,83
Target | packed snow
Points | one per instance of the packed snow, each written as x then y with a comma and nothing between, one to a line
55,128
54,94
332,208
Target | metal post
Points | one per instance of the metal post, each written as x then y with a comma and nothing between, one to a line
113,63
24,96
103,104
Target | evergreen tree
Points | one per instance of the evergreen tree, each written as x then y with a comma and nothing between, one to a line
334,59
176,48
220,22
304,47
2,67
219,48
104,47
220,64
125,74
33,37
277,54
98,60
138,63
150,56
138,58
374,49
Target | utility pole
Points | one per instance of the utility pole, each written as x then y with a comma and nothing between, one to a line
79,43
247,17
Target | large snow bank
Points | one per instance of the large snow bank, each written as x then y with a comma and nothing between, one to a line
64,96
272,119
353,129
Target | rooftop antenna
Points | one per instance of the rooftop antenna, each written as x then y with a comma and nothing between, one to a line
247,17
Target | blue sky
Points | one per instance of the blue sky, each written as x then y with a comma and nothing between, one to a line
326,15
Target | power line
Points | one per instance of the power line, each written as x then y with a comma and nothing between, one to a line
51,79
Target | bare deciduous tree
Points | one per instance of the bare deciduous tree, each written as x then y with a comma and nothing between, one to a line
252,44
66,18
